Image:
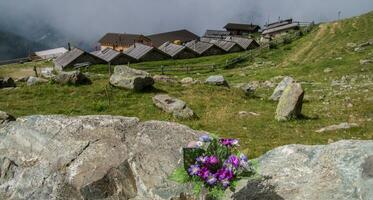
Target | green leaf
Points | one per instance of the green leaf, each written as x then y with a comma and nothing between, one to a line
180,176
216,193
190,155
197,188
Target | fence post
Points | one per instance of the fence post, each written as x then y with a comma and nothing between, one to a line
36,71
109,65
162,69
213,68
187,68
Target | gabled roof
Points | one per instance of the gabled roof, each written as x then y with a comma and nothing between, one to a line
121,38
280,28
223,44
216,33
68,57
171,48
139,50
107,54
51,53
244,27
199,46
243,42
182,35
279,23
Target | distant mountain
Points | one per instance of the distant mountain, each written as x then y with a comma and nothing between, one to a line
15,46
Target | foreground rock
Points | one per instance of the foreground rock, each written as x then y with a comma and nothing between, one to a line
172,105
7,82
217,80
248,89
280,88
71,78
5,117
290,104
90,157
35,80
343,125
341,170
132,79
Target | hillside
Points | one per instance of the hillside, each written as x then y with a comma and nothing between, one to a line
338,89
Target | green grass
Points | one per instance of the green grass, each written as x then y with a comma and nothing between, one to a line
217,108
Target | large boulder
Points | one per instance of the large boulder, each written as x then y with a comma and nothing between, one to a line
173,105
5,117
7,82
248,89
280,88
128,78
290,104
71,78
90,157
35,80
217,80
341,170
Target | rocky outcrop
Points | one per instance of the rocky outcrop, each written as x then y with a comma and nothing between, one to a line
341,170
217,80
71,78
132,79
35,80
280,88
7,82
173,105
5,117
90,157
290,104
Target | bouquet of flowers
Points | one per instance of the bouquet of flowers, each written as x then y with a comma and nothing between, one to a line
213,165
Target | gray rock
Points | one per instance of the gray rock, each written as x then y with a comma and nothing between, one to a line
164,79
132,79
327,70
341,170
7,82
173,105
343,125
290,104
217,80
351,45
35,80
5,117
71,78
90,157
248,89
189,81
47,72
280,88
365,62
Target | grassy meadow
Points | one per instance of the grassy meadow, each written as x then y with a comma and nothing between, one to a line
217,108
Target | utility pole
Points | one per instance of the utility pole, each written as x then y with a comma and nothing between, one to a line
339,15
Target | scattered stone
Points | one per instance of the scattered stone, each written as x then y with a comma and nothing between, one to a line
128,78
173,105
35,80
47,72
71,78
358,49
164,79
281,87
91,157
248,89
243,114
341,170
350,105
328,70
339,58
254,114
217,80
22,79
351,45
365,62
5,117
189,81
269,84
290,103
343,125
7,82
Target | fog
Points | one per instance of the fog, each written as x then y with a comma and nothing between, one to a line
90,19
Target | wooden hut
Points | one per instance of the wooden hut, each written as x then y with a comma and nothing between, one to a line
241,29
204,48
177,51
216,34
278,27
143,52
227,46
122,41
74,57
177,37
114,57
245,43
48,54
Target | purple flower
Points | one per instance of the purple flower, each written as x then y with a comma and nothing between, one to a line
195,144
233,160
204,173
212,160
225,183
193,170
202,159
205,138
229,142
243,160
224,173
243,157
211,179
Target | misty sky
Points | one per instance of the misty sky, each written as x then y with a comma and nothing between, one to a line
91,18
